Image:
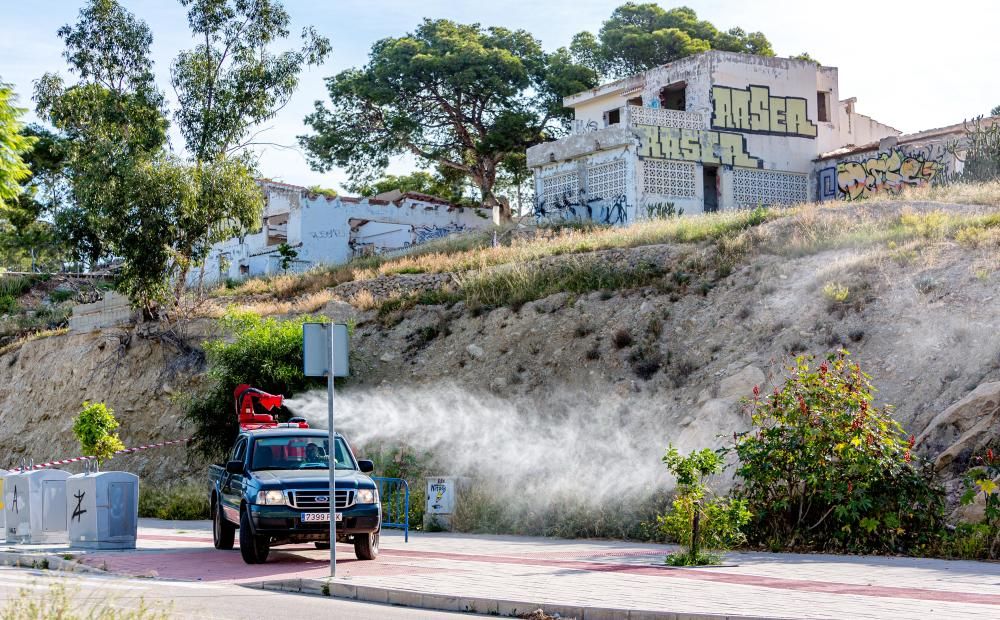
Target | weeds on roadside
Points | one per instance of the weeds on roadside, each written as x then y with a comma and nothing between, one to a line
185,501
62,603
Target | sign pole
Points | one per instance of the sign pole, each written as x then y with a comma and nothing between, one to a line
332,456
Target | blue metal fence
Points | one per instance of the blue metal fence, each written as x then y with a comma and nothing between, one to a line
394,494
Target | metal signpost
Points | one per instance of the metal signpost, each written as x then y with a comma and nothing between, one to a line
324,353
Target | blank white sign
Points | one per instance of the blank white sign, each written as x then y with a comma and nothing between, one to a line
315,352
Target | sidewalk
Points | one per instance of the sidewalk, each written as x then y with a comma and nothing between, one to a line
485,573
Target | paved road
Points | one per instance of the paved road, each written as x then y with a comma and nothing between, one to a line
196,600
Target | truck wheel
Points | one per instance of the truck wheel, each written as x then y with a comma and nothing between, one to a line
254,549
322,545
366,545
223,532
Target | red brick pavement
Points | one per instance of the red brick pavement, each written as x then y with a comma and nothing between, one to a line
199,561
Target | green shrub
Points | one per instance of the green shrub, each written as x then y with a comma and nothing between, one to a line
61,295
980,541
263,352
15,286
720,519
8,304
823,468
94,429
185,501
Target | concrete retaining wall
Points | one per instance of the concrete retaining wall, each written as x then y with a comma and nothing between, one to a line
113,310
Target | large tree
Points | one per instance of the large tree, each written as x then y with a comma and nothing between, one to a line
456,96
13,145
226,85
132,198
638,37
232,81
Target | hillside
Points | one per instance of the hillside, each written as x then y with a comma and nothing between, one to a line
579,392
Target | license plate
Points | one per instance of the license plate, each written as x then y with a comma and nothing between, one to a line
320,517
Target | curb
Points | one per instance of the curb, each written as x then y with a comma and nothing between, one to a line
492,607
45,561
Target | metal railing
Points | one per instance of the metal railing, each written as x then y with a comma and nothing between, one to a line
394,493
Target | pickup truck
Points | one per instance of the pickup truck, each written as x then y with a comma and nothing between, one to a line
275,489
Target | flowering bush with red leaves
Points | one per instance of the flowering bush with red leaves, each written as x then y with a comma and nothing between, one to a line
824,468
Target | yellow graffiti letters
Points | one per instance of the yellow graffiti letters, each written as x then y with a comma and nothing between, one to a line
754,109
710,147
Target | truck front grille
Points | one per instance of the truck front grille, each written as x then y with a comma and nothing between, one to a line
320,499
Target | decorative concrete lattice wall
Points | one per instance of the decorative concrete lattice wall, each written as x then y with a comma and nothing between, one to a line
662,117
768,187
559,185
669,178
606,180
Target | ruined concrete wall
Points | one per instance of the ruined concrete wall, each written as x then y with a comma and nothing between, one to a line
889,167
331,230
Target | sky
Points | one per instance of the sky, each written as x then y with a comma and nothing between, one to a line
913,65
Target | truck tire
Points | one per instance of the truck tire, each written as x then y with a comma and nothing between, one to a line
366,545
322,545
223,532
254,549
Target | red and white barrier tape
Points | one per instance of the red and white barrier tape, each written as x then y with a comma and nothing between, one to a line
125,451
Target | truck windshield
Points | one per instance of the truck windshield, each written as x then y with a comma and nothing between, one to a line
299,453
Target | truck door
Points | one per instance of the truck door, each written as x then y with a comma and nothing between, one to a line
232,484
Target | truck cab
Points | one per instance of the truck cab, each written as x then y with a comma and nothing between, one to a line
274,489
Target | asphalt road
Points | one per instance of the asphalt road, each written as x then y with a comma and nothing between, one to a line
189,599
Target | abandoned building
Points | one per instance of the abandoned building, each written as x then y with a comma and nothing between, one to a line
721,130
331,230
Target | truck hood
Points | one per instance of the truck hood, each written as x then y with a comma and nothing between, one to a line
315,478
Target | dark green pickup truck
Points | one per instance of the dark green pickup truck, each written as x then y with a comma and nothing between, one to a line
275,489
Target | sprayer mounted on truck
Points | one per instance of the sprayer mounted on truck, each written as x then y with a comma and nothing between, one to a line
275,489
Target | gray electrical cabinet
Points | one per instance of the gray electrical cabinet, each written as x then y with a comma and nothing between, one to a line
102,511
35,506
3,513
15,507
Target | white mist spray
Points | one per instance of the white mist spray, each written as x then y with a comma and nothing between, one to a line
591,448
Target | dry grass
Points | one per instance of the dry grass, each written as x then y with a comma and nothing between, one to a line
475,252
987,194
20,342
508,273
690,229
266,306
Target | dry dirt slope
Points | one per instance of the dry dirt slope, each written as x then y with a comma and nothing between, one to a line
923,322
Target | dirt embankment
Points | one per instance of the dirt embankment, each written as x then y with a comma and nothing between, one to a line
44,382
922,322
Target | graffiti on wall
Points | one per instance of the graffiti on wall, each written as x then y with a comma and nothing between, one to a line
826,183
422,234
567,208
663,211
754,109
885,172
707,147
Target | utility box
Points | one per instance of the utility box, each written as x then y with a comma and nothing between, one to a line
35,506
102,511
3,517
15,506
442,496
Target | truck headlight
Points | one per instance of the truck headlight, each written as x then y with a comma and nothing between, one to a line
367,496
271,498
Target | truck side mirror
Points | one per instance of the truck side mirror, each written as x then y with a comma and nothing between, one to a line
366,466
234,467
